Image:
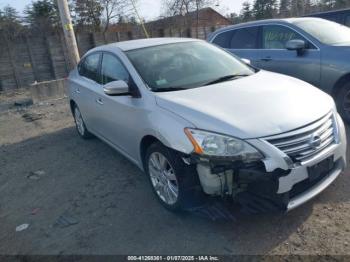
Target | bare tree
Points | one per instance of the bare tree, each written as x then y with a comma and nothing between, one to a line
113,9
184,7
175,7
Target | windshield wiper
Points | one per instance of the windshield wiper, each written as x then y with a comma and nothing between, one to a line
167,89
225,78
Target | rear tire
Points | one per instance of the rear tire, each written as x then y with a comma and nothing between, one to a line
175,184
80,124
343,102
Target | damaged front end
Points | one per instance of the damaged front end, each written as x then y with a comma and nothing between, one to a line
256,190
247,184
277,173
237,170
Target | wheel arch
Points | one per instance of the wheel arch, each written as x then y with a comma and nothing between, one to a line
72,104
146,141
339,84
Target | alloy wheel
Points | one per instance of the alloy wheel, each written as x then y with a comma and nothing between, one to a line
163,178
79,121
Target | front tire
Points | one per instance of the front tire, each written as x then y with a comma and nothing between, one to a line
174,183
343,102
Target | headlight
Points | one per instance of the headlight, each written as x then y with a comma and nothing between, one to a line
211,144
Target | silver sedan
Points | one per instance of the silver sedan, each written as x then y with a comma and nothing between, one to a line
201,122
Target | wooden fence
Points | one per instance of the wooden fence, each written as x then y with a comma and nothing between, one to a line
29,58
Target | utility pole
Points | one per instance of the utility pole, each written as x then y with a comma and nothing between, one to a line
139,17
197,16
68,30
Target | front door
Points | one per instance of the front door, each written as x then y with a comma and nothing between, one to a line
119,116
275,57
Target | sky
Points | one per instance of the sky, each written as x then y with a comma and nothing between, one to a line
148,9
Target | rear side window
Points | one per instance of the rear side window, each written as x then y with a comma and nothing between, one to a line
224,39
276,37
333,17
337,18
112,69
246,38
89,67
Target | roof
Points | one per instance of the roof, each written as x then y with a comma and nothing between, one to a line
142,43
265,21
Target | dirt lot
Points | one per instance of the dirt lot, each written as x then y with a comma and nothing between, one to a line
82,197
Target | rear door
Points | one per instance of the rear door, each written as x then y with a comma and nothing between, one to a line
275,57
242,42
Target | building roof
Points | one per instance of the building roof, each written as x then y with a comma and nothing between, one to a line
191,16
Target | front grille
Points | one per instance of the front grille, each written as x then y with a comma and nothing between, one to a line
304,143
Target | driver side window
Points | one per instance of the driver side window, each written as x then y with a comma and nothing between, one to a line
276,36
112,69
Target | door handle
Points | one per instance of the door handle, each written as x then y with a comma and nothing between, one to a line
99,101
77,91
266,59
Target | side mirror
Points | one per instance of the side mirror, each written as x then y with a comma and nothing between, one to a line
116,88
296,45
247,61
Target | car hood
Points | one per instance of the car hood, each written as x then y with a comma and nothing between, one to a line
260,105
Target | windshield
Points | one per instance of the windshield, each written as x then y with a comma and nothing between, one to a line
185,65
327,32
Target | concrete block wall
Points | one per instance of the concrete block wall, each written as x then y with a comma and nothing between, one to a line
29,58
47,90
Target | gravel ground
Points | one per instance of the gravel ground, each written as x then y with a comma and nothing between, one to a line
82,197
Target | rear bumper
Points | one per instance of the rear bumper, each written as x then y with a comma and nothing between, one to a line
318,188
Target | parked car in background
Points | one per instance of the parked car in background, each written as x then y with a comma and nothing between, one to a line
339,16
199,121
312,49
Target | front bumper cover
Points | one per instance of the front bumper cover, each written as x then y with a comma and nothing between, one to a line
260,189
276,183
